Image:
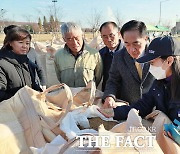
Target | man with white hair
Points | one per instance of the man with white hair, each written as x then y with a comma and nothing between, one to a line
77,64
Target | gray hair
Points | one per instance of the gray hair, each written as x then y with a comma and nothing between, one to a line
69,27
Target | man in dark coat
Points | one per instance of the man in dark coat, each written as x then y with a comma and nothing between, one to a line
111,37
163,54
133,80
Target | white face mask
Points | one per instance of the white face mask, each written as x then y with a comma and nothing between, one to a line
157,72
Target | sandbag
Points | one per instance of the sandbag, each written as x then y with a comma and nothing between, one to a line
72,146
35,119
51,77
23,121
52,148
56,101
86,96
96,122
51,106
132,127
60,95
12,139
24,109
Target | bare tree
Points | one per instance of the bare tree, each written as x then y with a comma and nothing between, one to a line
40,25
56,12
167,24
29,18
154,23
94,20
2,14
31,27
119,19
2,18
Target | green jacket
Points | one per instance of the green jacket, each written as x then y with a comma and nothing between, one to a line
78,72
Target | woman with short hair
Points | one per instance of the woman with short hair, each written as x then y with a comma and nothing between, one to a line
16,70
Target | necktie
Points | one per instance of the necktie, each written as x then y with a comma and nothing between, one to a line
139,69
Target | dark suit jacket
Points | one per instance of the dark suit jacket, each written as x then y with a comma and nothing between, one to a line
123,75
107,60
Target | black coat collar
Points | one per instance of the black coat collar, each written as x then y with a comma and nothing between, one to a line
13,57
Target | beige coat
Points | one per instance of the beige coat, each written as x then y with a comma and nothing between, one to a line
78,72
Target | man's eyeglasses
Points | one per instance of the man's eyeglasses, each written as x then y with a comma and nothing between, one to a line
111,36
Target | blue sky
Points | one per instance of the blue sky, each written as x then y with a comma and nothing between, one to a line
81,10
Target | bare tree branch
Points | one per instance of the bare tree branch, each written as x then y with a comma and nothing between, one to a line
94,20
118,18
55,11
167,23
2,14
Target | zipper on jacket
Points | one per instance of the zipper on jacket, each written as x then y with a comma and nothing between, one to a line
21,76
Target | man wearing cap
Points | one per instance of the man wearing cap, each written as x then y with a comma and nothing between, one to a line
127,78
164,56
110,35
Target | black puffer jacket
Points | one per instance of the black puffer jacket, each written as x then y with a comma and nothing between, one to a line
16,71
